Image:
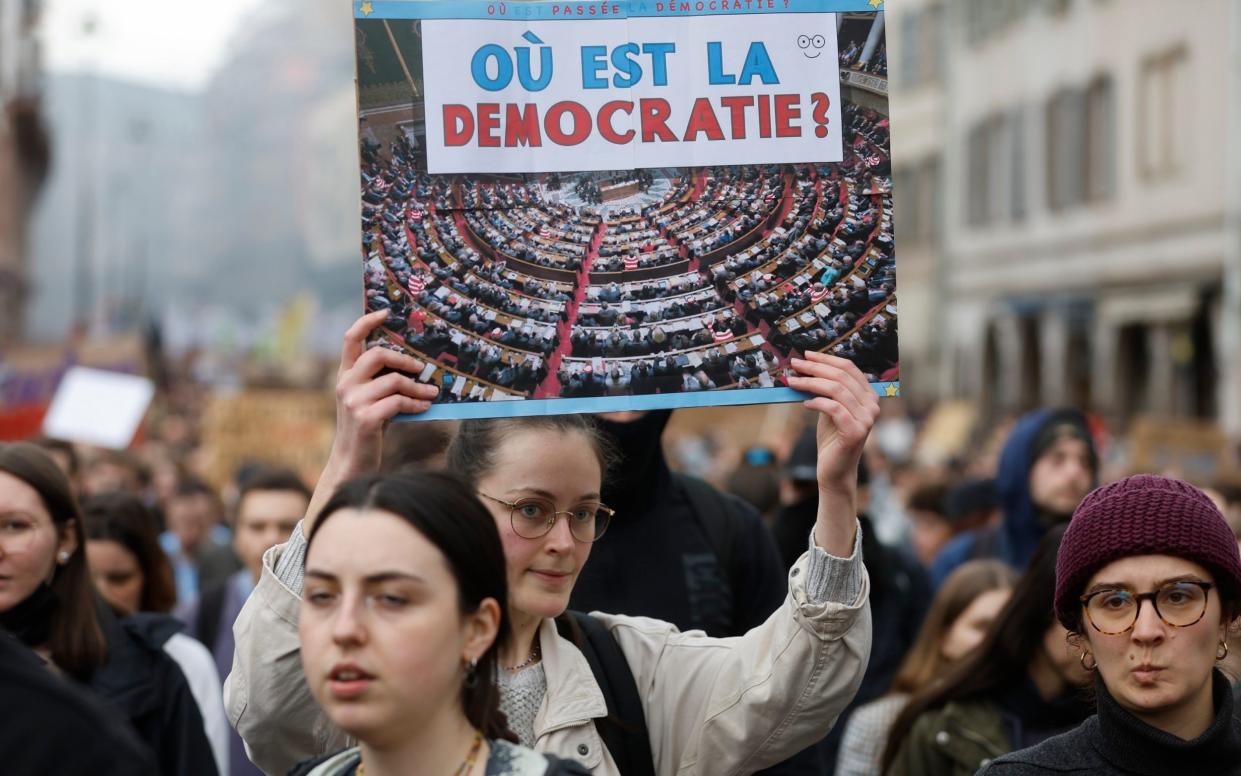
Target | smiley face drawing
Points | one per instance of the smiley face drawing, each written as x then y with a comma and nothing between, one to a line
807,44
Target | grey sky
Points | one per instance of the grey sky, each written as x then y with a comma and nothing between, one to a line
172,44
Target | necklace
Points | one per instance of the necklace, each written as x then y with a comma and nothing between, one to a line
535,654
466,765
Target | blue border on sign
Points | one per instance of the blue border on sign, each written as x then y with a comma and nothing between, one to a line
658,401
520,10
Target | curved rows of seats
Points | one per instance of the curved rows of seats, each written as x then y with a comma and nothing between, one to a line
642,290
438,240
809,290
673,335
492,229
804,235
664,372
430,327
734,205
496,298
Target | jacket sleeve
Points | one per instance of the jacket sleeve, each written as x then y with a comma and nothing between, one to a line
719,707
266,694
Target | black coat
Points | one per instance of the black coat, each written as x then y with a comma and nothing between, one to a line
656,560
53,726
1114,741
145,684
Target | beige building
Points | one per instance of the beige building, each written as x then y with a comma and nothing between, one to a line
1067,203
24,157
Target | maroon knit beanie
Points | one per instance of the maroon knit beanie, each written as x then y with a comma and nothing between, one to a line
1143,515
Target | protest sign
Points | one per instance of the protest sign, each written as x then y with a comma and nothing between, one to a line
30,375
1193,450
278,427
98,407
575,207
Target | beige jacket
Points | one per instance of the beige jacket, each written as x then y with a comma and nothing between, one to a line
714,707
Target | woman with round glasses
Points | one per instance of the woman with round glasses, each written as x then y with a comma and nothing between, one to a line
711,706
534,517
1148,581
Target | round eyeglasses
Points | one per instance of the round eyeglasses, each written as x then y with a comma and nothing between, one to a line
532,518
1179,604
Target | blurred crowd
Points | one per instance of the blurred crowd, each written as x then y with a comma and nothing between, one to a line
960,556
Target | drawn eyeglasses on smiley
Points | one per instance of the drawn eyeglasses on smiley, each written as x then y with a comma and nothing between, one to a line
805,42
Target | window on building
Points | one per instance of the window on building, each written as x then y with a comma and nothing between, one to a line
918,201
996,167
1017,165
1066,149
922,49
935,49
911,53
978,175
931,187
986,18
1100,139
905,180
1163,112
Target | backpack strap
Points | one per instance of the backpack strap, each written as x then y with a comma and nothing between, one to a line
718,517
623,730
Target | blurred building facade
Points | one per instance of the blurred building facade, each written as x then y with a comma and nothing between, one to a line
1066,210
24,156
121,225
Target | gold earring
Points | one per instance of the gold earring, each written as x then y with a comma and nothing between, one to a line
1223,645
1093,663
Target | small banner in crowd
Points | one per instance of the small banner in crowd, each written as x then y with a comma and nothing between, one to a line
584,207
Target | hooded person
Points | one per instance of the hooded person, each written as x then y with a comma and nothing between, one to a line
663,558
1046,468
679,550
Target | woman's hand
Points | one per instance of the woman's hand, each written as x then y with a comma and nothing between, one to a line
368,395
848,408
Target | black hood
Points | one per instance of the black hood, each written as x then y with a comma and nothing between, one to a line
642,476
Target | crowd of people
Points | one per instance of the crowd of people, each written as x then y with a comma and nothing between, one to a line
833,608
566,595
851,55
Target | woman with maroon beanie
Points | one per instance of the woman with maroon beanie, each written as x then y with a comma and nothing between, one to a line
1148,580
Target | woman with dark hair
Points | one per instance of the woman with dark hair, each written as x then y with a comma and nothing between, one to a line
707,705
130,570
1018,688
956,623
1163,707
47,602
400,625
134,576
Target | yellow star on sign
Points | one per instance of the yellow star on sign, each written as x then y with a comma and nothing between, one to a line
892,390
367,8
876,3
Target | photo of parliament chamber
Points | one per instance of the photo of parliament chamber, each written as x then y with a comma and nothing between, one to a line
633,282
